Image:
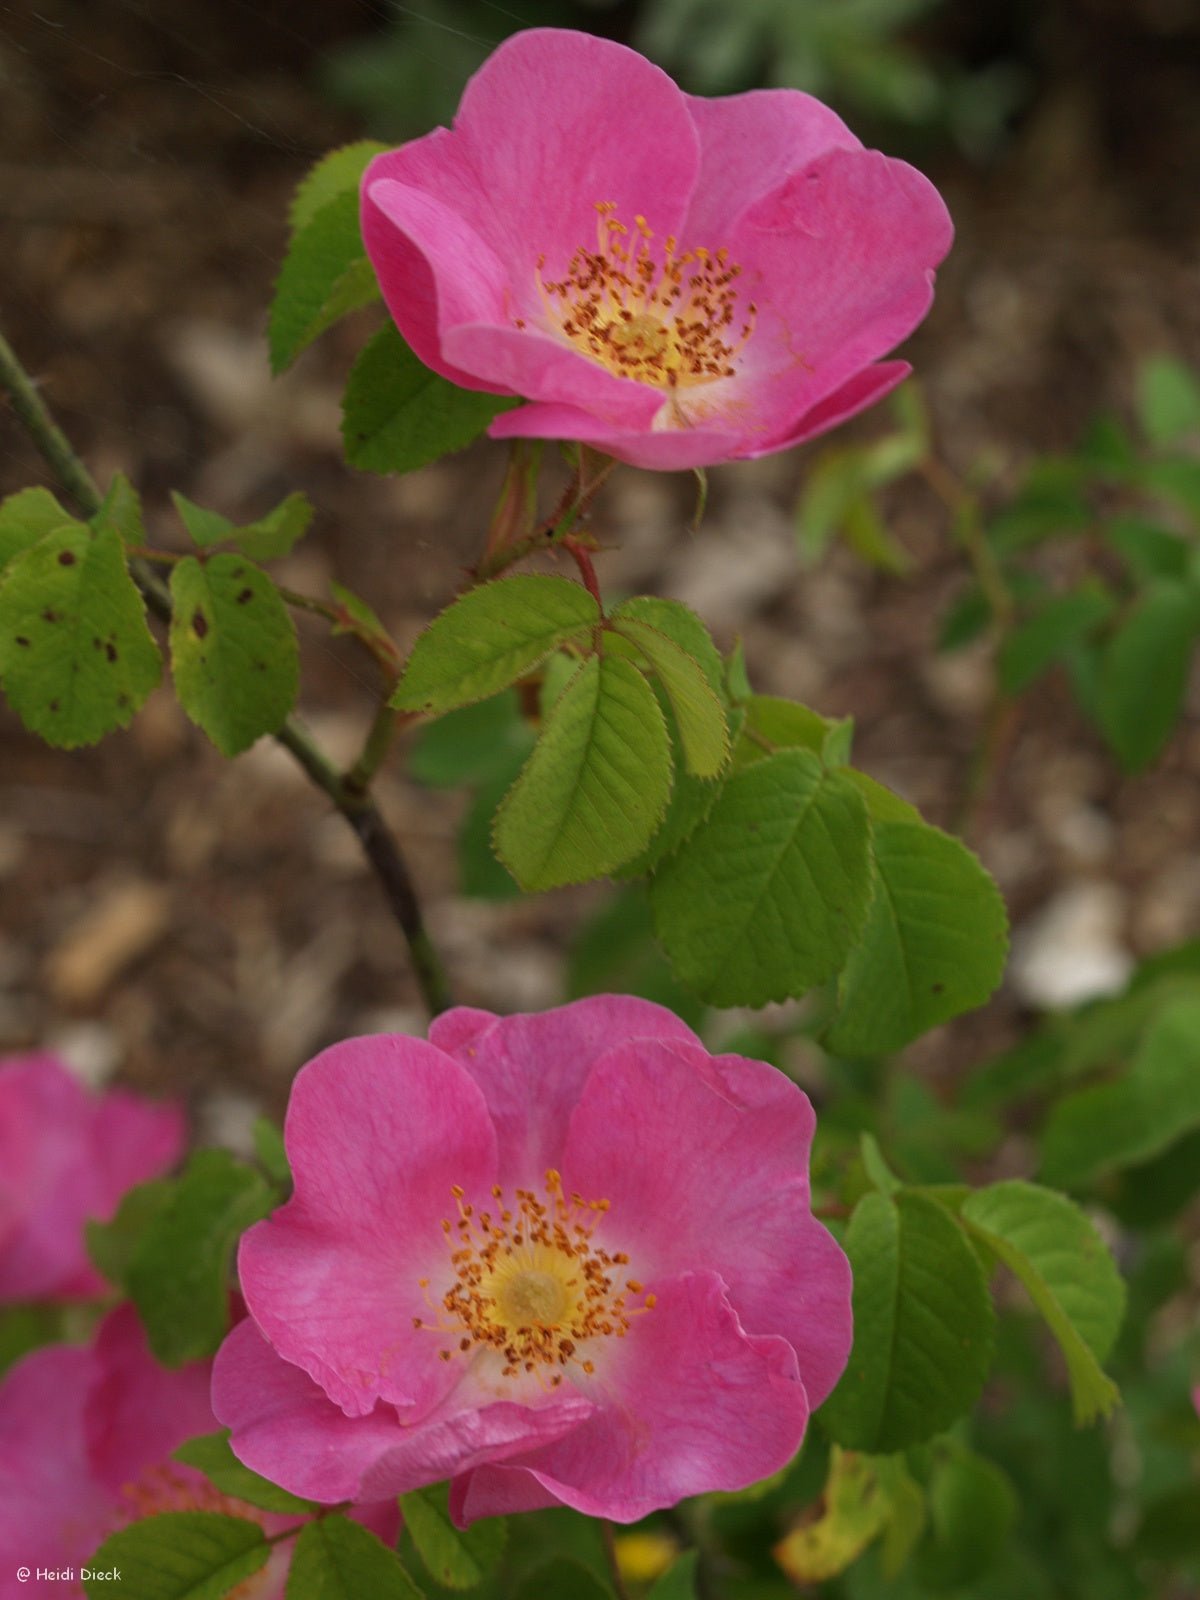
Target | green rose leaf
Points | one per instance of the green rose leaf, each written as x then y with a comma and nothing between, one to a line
615,952
699,717
211,1455
933,945
491,637
1144,671
338,173
325,275
397,415
180,1555
456,1558
691,800
275,534
563,1579
271,1153
682,626
972,1507
855,1509
233,650
766,897
25,517
1050,633
923,1326
679,1580
1168,401
471,745
773,724
204,527
337,1559
1149,550
112,1245
597,783
266,539
883,804
76,656
179,1274
1057,1254
122,509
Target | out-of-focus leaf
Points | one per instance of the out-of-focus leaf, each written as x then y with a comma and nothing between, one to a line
1168,401
1144,672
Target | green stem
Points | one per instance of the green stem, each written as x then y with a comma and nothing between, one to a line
999,730
968,528
357,779
348,792
382,852
1001,718
45,432
608,1535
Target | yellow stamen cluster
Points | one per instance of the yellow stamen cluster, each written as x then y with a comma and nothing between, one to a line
530,1283
647,313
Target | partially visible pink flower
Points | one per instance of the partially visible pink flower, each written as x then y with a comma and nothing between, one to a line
559,1259
86,1437
66,1157
674,280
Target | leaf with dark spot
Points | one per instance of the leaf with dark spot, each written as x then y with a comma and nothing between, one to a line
60,596
236,666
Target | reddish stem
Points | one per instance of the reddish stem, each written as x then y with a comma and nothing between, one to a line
586,570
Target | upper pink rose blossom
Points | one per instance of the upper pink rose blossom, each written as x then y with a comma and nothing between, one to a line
559,1259
86,1437
674,280
66,1157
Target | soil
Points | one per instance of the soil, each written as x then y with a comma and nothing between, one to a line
191,924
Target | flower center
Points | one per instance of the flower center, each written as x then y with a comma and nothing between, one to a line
647,313
531,1284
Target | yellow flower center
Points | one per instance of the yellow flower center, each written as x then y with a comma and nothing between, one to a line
649,313
531,1284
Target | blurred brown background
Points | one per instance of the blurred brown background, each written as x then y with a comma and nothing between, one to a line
190,923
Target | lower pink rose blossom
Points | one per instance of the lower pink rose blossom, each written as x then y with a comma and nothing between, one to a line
672,279
86,1437
66,1157
559,1259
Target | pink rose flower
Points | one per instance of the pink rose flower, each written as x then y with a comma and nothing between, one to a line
674,280
86,1437
559,1259
67,1156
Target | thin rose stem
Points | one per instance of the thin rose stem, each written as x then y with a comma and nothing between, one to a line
575,503
965,509
348,791
1000,722
587,571
607,1533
